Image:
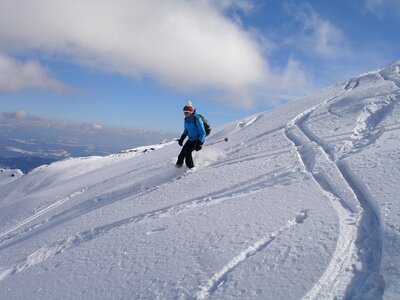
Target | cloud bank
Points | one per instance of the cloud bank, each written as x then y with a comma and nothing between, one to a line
16,75
184,45
317,35
382,7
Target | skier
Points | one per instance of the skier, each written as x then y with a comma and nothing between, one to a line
194,130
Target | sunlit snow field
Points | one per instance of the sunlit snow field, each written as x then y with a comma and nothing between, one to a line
300,202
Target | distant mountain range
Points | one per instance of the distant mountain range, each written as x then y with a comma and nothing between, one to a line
27,141
25,164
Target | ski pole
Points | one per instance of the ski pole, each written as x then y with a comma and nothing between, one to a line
216,142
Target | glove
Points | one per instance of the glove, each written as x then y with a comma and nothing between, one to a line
198,145
180,142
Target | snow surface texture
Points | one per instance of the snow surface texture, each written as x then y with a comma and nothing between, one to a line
301,202
7,176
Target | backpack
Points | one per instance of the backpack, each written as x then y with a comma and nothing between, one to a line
207,127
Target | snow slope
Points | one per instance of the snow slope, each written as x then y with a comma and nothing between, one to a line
301,202
8,175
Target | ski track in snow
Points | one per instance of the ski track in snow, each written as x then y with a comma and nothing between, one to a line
352,84
354,261
336,277
251,187
354,268
220,277
247,122
127,193
88,205
388,78
366,131
39,213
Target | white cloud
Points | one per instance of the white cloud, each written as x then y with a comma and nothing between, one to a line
372,4
242,5
288,84
319,35
20,114
382,7
284,85
97,126
182,44
293,76
16,75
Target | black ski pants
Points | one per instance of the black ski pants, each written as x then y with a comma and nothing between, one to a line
186,155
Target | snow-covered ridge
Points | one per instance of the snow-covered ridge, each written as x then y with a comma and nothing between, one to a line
7,176
300,202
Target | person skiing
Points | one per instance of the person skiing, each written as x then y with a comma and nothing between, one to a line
194,130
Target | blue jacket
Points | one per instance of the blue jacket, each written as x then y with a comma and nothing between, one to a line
195,133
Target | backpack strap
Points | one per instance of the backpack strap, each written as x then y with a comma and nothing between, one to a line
195,120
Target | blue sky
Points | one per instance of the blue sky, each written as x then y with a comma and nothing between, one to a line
135,63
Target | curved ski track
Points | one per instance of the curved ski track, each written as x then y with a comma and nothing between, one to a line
352,263
245,188
122,194
220,277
